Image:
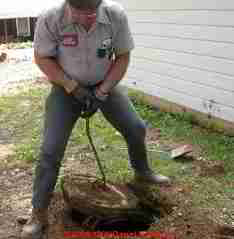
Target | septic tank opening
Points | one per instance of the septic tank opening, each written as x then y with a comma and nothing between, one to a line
120,223
113,207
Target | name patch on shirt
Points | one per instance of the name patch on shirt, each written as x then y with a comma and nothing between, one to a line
70,40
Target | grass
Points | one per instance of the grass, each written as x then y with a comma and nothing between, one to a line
181,127
18,45
28,107
22,116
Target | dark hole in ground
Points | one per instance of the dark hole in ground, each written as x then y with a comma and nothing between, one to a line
123,223
226,231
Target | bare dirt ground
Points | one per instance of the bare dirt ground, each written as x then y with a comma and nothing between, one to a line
180,217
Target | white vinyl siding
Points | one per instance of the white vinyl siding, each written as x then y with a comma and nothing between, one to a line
184,52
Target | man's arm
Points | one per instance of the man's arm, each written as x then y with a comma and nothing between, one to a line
54,72
46,40
123,44
115,75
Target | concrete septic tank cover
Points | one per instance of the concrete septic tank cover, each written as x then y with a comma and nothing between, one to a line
90,196
100,207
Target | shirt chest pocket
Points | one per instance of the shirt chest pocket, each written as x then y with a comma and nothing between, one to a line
105,48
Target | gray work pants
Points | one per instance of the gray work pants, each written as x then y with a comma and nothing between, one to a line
61,113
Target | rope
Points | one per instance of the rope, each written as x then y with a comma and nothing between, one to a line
94,150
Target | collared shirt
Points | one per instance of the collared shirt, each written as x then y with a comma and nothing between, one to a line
84,56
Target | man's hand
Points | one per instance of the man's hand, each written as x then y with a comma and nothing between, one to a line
82,94
95,101
91,99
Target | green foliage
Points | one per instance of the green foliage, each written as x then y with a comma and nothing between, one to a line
27,151
18,45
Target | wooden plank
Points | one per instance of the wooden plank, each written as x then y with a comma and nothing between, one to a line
188,88
196,76
219,111
215,65
212,49
178,4
204,18
204,33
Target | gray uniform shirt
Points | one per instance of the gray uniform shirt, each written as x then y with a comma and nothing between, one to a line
84,56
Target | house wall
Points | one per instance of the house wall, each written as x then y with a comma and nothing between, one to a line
1,31
32,25
12,30
184,53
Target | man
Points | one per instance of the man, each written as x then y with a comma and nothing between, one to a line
83,47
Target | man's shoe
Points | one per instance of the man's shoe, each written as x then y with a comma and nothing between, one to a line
151,178
36,226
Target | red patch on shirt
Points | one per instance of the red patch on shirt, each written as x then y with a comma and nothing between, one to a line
70,40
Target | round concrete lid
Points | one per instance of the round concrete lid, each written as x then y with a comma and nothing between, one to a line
89,195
